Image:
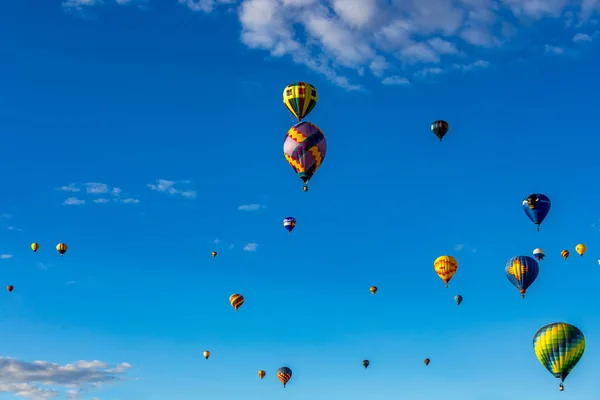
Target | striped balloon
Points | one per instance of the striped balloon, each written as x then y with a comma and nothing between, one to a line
445,267
559,347
236,301
304,149
284,374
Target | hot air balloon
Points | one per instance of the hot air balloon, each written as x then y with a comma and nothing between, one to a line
445,267
538,254
536,207
35,246
261,373
580,249
440,128
206,354
373,289
62,248
599,261
565,254
10,288
236,301
427,361
522,271
300,98
366,363
458,299
304,149
214,254
284,374
289,223
559,347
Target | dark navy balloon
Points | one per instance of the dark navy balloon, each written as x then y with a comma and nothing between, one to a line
536,207
522,271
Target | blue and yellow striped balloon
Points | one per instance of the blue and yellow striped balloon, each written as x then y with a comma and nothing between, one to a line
559,347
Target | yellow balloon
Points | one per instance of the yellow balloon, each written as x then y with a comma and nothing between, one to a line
62,248
580,249
206,354
261,373
35,247
445,267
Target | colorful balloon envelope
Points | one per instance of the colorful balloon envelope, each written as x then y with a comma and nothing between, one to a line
366,363
522,271
261,373
559,347
445,267
35,247
284,374
300,98
62,248
565,254
427,361
10,288
236,300
536,207
206,354
440,128
304,149
289,224
214,254
538,254
373,289
458,299
580,249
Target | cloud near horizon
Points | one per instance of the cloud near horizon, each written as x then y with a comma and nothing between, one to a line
399,41
40,380
101,193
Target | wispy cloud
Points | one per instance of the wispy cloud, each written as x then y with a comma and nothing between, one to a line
251,207
395,80
39,380
251,247
461,247
6,256
165,186
345,39
549,49
582,37
216,241
70,282
44,267
101,193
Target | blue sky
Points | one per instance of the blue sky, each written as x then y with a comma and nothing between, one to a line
147,134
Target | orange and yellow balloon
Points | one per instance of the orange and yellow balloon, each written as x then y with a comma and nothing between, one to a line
580,249
261,373
206,354
236,300
445,267
565,254
62,249
214,254
373,289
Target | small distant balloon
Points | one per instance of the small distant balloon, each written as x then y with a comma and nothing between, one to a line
366,363
214,254
261,373
458,299
580,249
289,224
536,207
236,300
206,354
10,288
62,248
373,289
35,246
565,254
538,254
284,374
440,128
427,361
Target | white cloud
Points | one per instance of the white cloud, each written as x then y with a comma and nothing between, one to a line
341,39
80,6
165,186
251,247
395,80
250,207
553,49
97,188
459,247
474,65
73,201
5,256
129,200
582,37
101,200
40,380
427,72
71,187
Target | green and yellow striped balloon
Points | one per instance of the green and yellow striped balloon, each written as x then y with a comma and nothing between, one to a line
559,347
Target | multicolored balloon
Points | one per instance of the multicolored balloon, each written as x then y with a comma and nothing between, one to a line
580,249
261,373
445,267
289,224
559,347
366,363
565,254
427,361
300,98
522,271
206,354
304,149
214,254
62,249
284,374
373,289
458,299
440,128
236,300
536,207
538,254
